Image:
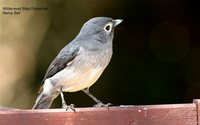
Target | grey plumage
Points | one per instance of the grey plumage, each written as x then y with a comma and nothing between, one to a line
80,63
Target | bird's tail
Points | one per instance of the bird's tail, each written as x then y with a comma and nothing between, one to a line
44,101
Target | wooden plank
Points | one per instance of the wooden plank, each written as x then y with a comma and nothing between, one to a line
197,102
175,114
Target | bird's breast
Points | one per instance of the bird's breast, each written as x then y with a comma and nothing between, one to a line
84,70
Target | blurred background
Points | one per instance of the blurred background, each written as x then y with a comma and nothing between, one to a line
156,56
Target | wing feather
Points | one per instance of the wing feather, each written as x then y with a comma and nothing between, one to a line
60,62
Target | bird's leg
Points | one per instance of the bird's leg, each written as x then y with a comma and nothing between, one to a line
99,103
64,105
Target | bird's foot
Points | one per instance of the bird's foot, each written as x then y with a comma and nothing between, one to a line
71,106
100,104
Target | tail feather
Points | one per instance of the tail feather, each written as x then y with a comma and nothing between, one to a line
44,101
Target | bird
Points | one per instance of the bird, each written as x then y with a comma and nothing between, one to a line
79,64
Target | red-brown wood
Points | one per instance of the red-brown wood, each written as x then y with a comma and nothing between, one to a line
174,114
197,102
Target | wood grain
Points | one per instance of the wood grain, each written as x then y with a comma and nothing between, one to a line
173,114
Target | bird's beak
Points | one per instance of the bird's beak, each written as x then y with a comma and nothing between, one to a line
117,22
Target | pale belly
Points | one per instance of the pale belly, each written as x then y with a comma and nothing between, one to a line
75,81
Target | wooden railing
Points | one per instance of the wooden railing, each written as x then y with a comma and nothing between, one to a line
172,114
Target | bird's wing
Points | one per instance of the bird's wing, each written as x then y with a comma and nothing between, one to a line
60,62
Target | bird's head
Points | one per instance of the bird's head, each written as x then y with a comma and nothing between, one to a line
100,29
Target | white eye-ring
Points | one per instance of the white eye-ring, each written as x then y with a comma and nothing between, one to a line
108,27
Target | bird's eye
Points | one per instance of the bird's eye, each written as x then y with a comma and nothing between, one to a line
108,27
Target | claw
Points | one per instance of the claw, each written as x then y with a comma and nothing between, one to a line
71,106
100,104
